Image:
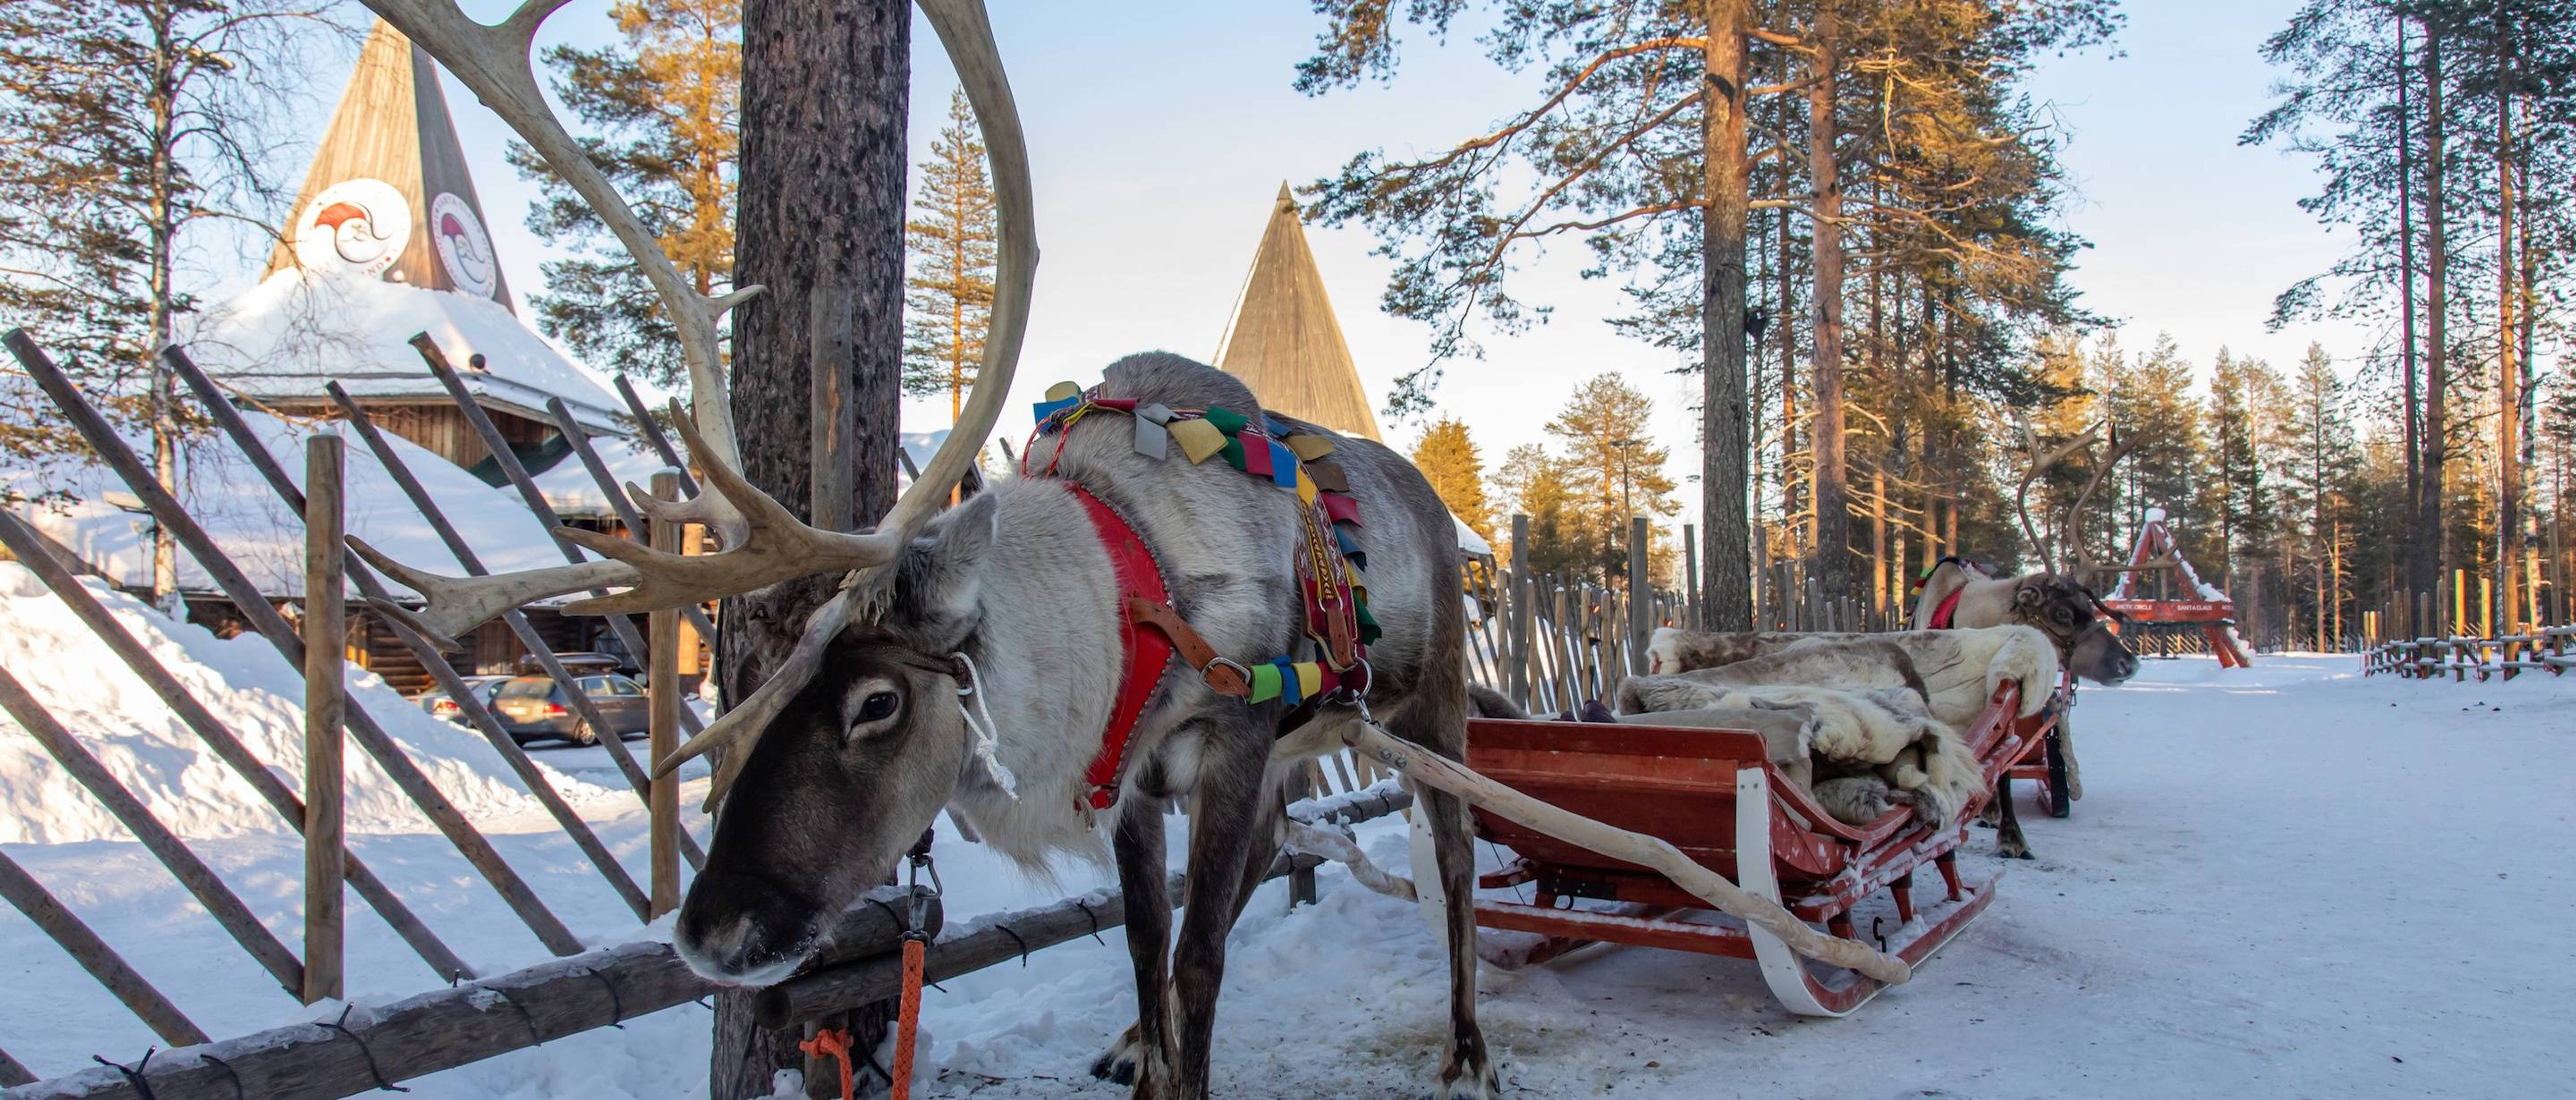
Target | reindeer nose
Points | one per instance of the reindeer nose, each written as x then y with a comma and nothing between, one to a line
742,930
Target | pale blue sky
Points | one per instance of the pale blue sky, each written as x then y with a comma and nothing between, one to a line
1160,131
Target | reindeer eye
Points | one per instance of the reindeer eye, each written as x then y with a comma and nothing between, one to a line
877,706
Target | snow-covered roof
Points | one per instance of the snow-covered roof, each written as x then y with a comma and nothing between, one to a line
570,490
298,329
1469,541
229,498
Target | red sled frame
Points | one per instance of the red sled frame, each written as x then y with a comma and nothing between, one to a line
1714,795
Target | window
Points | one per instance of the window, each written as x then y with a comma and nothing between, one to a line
527,687
619,685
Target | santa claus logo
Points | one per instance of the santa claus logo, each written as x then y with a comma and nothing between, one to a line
463,249
356,227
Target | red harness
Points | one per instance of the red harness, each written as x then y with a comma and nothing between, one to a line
1949,608
1146,650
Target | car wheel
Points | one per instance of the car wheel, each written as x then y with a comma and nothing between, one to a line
582,734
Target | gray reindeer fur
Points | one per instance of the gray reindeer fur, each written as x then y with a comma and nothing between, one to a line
1017,580
1956,670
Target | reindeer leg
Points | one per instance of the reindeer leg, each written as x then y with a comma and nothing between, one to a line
2066,752
2008,839
1142,1056
1433,718
1226,815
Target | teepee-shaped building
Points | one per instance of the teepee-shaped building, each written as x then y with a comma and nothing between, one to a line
388,241
1284,341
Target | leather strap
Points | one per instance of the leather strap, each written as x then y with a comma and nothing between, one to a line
1949,609
1145,653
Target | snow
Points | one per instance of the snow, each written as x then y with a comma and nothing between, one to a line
2284,881
570,490
234,504
297,329
246,684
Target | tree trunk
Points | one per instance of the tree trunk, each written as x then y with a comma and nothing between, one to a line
2508,372
165,184
2425,556
1825,431
1723,479
824,101
2406,280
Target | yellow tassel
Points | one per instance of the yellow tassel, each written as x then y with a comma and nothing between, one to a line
1310,679
1305,488
1310,447
1199,439
1062,390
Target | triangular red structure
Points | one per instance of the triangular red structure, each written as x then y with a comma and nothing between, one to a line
2157,554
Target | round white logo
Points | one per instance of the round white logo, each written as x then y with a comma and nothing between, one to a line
462,246
357,226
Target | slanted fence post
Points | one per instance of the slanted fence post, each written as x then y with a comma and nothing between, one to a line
1641,594
1522,594
326,641
662,688
1691,618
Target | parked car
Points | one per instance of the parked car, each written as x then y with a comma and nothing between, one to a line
439,705
533,708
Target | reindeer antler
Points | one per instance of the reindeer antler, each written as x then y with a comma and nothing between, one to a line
2072,530
2041,464
764,543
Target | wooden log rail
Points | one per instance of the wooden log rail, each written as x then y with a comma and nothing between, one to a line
376,1047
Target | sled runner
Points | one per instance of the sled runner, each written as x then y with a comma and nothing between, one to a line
1713,794
2043,760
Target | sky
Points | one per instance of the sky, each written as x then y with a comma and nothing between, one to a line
1160,131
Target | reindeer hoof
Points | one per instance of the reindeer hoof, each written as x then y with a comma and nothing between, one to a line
1118,1064
1469,1075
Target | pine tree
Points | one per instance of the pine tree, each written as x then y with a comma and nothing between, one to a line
133,123
950,291
2149,396
666,100
2323,461
1448,459
1604,429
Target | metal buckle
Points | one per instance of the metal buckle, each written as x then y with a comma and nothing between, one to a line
1215,663
1348,694
917,903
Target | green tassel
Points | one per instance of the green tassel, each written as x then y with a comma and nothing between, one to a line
1368,623
1226,420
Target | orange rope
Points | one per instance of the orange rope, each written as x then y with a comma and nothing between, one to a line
909,1021
834,1043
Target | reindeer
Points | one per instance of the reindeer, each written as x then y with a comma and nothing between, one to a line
1957,594
859,734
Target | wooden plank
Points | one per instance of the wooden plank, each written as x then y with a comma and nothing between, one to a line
103,963
834,468
13,1072
326,706
200,880
662,686
1641,596
1520,612
254,607
227,748
528,635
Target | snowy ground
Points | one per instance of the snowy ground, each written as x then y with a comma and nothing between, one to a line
2287,881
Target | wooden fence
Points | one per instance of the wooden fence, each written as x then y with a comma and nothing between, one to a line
2460,657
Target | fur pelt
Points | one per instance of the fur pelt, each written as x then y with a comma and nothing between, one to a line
1956,671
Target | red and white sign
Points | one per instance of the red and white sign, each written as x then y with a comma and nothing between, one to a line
463,248
354,227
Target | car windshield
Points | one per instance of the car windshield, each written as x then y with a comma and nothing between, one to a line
534,687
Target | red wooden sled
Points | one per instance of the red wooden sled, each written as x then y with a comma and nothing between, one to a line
1713,794
2043,762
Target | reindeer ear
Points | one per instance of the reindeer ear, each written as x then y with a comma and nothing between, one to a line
2027,596
937,594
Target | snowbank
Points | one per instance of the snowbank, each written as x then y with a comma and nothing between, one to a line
248,687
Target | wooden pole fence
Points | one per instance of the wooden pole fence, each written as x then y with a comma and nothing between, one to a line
517,620
227,748
662,686
469,703
219,567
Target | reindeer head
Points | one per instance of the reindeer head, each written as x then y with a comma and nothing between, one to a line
853,738
2079,622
